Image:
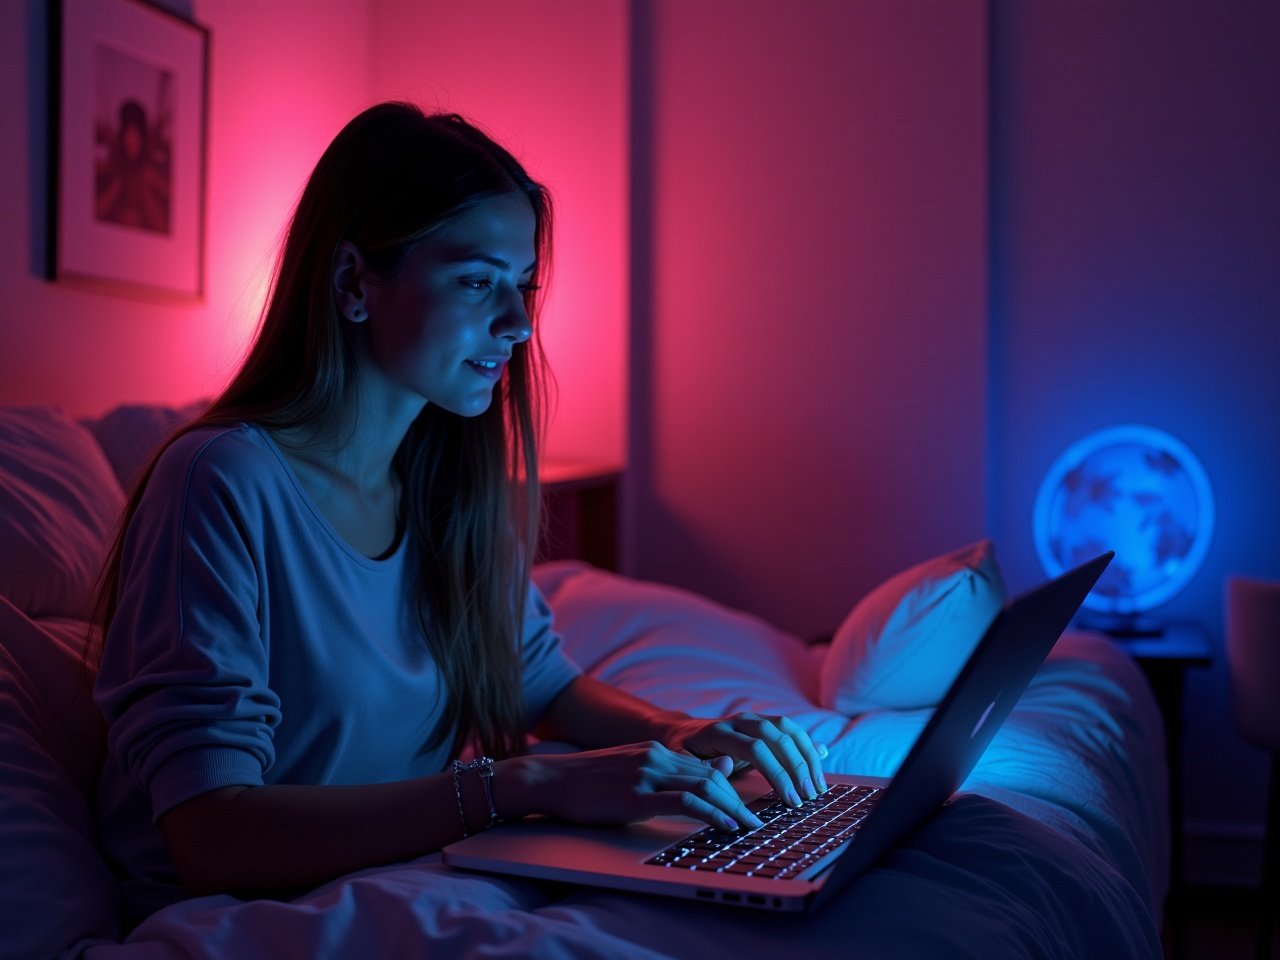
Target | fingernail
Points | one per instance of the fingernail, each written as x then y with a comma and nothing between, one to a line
728,823
792,798
807,786
756,822
822,750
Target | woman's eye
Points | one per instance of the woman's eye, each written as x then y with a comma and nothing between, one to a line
486,284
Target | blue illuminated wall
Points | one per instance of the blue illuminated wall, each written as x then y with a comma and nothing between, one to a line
1135,276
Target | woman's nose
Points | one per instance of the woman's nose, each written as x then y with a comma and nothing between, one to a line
513,322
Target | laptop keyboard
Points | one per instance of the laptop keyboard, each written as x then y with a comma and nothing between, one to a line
791,840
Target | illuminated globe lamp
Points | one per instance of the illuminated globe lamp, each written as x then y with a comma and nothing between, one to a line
1136,490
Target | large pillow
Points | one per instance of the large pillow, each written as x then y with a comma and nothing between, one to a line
682,651
56,892
51,655
131,433
59,503
904,643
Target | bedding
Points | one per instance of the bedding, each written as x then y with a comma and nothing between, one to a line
905,641
1056,845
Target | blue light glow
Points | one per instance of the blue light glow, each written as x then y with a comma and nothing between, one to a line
1136,490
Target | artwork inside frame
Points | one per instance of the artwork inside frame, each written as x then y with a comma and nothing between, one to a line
128,131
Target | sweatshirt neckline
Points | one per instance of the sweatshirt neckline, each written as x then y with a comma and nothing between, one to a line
387,560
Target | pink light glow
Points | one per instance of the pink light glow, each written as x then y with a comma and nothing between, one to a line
283,85
548,80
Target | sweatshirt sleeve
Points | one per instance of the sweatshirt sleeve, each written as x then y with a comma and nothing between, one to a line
183,683
547,668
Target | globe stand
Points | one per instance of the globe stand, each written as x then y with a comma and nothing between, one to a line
1129,626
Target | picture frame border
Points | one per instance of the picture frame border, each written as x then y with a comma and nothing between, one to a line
57,268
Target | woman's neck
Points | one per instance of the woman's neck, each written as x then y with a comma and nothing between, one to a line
355,448
345,465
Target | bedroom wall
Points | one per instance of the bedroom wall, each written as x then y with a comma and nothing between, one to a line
1136,210
548,79
897,377
284,76
787,454
809,315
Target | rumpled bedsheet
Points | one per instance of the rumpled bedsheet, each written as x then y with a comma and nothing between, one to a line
981,880
1055,847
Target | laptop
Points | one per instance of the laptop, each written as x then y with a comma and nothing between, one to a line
801,857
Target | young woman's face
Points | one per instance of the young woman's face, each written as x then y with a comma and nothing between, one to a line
444,327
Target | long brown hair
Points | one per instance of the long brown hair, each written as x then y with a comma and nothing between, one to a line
389,178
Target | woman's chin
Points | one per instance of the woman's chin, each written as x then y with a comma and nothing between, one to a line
472,407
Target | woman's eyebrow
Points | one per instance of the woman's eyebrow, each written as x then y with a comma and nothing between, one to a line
470,256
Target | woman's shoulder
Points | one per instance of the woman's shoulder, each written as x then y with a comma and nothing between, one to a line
236,454
214,444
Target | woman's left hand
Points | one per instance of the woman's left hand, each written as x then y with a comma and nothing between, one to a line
777,746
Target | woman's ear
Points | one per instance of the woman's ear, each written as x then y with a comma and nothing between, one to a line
350,282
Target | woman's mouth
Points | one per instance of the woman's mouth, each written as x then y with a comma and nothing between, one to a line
489,369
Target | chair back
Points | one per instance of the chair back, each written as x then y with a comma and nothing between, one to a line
1253,658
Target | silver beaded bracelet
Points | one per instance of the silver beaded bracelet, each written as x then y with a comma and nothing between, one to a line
484,766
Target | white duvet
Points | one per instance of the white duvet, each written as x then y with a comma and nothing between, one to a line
1056,847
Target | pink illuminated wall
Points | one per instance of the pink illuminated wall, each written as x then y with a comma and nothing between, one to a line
549,80
805,307
810,338
284,76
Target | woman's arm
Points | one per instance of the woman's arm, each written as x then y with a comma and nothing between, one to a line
589,713
274,840
279,839
593,714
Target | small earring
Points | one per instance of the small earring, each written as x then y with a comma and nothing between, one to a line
357,315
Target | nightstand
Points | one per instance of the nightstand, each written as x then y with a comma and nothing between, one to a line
580,500
1164,660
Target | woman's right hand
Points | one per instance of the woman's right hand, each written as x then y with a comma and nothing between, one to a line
621,785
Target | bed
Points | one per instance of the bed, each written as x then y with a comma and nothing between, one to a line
1056,846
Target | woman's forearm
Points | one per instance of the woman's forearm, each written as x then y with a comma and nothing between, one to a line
279,839
592,714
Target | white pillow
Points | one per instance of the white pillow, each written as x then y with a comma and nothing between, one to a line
904,643
131,433
674,648
59,504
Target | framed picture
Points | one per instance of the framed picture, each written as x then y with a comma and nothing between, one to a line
128,104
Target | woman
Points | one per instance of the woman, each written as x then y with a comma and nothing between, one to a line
320,596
